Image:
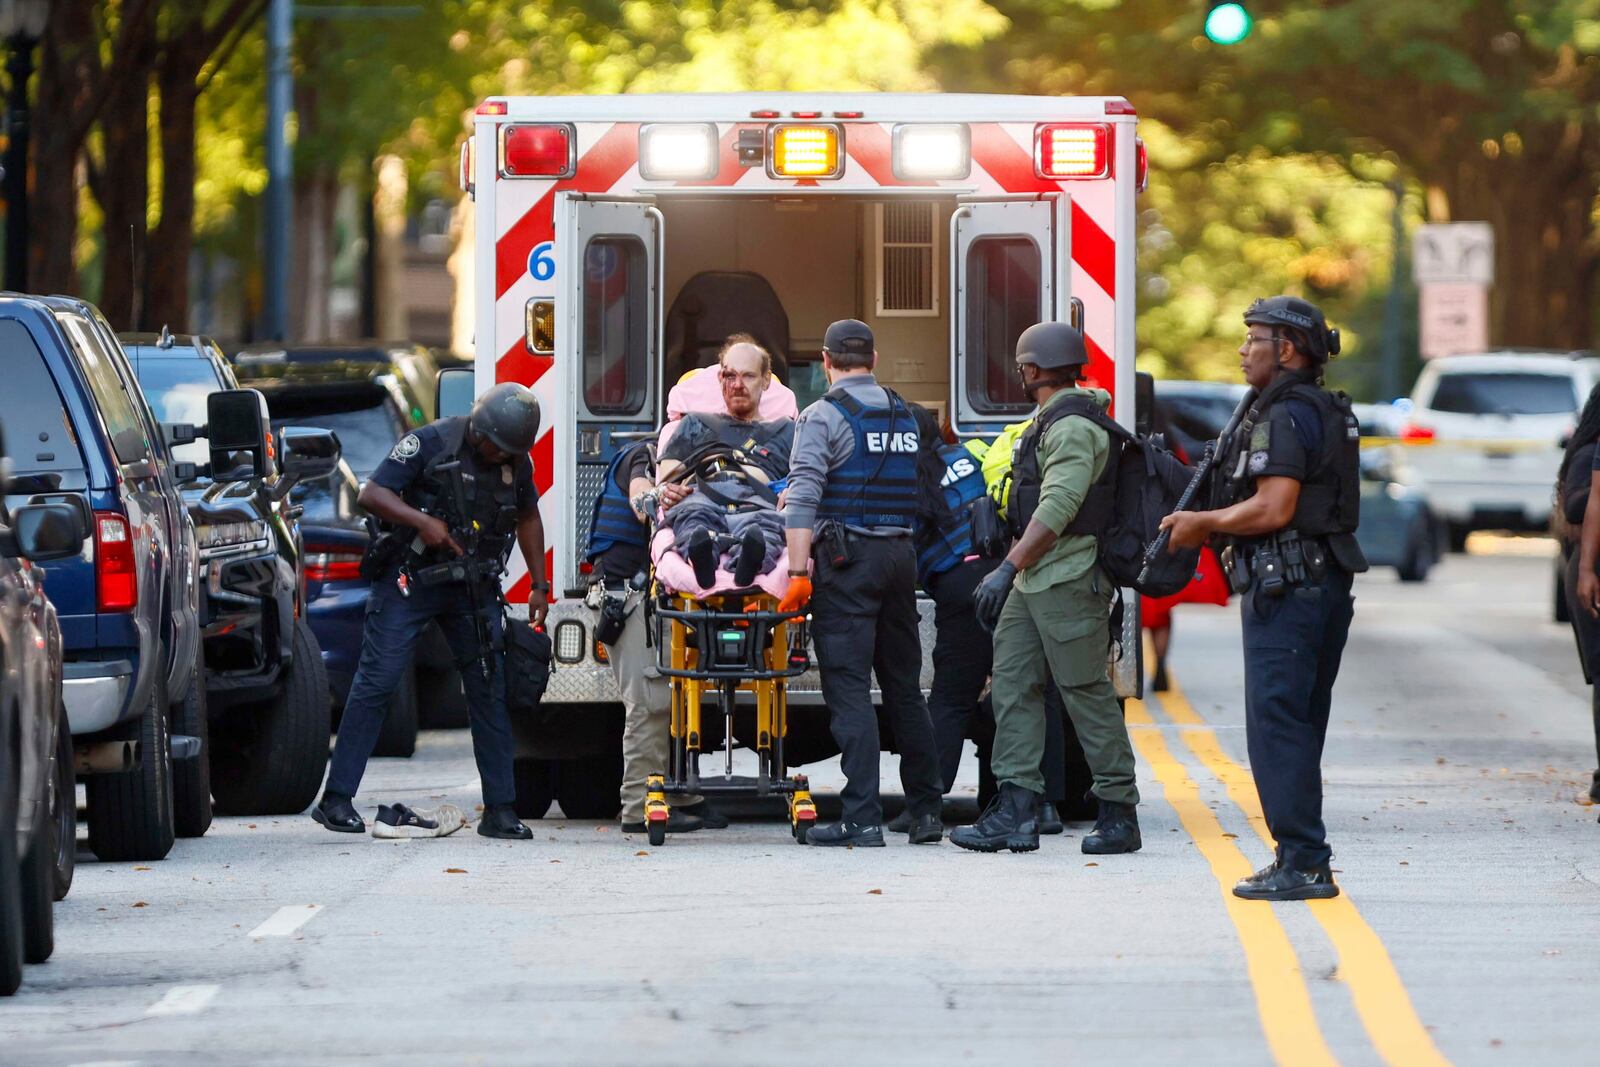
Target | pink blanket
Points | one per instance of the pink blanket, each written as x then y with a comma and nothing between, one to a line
677,575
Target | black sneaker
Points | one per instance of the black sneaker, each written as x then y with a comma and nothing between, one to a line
845,834
752,553
500,820
1011,821
1594,788
711,818
926,830
339,815
902,823
702,556
398,821
678,822
1278,882
1050,822
1116,831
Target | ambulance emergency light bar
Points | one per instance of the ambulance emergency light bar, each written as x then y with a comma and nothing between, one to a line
678,151
1072,150
805,151
546,150
932,152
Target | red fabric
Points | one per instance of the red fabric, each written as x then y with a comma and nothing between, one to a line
1208,587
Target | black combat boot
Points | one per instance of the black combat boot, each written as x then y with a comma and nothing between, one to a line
926,830
500,820
1277,882
1117,830
1594,788
338,814
1011,821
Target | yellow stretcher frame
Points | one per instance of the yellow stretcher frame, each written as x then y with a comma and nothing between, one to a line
707,647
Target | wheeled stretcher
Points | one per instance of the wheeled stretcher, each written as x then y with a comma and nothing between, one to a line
712,648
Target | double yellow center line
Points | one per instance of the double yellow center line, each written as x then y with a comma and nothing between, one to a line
1283,998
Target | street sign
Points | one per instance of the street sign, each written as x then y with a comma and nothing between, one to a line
1455,318
1453,252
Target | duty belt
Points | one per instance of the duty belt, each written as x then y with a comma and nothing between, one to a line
1276,563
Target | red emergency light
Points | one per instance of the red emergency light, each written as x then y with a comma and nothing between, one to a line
491,107
1072,150
547,150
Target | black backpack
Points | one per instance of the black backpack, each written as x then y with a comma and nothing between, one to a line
1139,487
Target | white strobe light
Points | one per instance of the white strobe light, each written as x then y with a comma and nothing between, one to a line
929,152
672,151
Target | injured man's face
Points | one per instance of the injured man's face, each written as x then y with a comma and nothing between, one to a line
742,381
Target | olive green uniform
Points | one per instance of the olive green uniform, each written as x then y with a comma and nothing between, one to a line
1054,625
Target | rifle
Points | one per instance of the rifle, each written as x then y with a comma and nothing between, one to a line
1202,471
466,567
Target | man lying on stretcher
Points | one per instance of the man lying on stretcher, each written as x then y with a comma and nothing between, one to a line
719,473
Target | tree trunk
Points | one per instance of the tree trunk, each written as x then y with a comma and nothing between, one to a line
123,189
316,193
167,280
67,65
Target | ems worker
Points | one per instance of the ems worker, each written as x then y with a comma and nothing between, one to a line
851,503
420,578
1053,625
1288,506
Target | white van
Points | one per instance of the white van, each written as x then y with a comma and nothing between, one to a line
1486,432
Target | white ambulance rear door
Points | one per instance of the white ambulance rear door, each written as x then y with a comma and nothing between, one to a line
1011,266
608,334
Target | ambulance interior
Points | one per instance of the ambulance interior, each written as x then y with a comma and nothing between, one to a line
783,268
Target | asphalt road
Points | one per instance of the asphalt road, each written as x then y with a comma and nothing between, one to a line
1467,932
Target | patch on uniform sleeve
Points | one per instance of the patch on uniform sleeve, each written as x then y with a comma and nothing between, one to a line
408,446
1260,439
1258,460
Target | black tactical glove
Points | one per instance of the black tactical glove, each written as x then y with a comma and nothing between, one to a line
990,596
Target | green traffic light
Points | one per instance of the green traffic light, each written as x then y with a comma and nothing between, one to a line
1228,23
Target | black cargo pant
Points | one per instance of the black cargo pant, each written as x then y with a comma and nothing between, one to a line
1292,647
864,621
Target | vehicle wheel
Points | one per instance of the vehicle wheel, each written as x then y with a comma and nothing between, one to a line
441,701
271,759
10,869
1457,535
399,734
536,787
1419,561
65,799
191,778
657,832
1561,612
590,787
38,896
130,814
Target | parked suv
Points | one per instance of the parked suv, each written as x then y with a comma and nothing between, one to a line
266,691
371,395
1485,434
38,794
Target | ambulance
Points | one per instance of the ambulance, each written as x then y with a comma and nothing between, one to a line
619,240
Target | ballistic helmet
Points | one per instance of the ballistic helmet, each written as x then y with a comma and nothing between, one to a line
1048,345
1300,315
508,415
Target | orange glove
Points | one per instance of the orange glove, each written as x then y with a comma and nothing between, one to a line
797,596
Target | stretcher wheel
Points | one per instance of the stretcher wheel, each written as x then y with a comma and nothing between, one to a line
801,828
657,831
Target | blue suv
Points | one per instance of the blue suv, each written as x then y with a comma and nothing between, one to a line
81,432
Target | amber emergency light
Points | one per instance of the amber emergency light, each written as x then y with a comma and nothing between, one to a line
806,151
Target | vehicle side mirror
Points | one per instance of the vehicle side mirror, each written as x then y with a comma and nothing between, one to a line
47,531
304,452
456,391
236,426
1144,403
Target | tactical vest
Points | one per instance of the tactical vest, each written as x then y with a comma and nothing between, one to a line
941,548
1027,479
877,485
1330,497
613,521
491,493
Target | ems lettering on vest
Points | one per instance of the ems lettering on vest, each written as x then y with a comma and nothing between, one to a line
961,468
879,442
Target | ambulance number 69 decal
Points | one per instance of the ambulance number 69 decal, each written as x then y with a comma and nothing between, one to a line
542,261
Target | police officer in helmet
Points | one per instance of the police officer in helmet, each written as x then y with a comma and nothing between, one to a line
1052,627
1288,503
851,505
425,568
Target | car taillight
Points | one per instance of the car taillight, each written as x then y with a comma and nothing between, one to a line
331,566
542,151
1412,434
1072,150
116,580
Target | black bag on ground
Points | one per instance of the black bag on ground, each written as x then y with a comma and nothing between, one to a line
528,655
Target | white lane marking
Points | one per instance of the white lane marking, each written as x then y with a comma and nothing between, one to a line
286,920
184,1000
106,1063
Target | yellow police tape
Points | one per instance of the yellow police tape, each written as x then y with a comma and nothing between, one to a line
1485,444
1379,995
